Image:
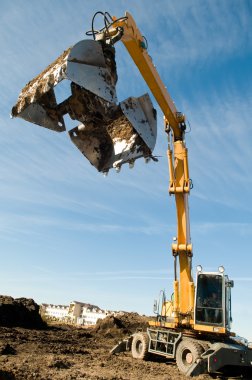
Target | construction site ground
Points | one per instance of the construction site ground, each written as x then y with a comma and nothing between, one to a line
73,353
29,349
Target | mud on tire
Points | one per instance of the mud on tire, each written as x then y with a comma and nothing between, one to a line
140,345
187,353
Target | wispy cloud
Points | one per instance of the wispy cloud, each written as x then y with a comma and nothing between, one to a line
42,274
28,224
193,38
219,147
239,228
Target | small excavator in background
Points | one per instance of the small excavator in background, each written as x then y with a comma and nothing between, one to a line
194,327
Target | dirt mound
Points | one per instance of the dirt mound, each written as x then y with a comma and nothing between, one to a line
74,353
77,353
120,324
20,312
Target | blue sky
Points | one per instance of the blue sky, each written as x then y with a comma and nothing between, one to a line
66,232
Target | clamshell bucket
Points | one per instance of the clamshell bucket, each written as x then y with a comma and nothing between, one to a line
127,132
109,134
88,64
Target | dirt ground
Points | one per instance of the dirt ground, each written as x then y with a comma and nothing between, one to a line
73,353
58,352
29,349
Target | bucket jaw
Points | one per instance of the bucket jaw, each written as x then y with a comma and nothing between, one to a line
89,64
127,132
108,134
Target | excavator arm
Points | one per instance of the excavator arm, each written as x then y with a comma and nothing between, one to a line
136,45
177,161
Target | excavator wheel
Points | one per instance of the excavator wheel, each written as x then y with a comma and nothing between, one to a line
204,345
188,352
140,345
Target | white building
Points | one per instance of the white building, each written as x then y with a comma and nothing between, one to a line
59,312
76,313
90,315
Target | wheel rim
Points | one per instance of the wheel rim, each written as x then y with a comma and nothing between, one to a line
187,357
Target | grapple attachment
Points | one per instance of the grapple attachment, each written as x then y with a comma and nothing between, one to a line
128,131
89,64
109,134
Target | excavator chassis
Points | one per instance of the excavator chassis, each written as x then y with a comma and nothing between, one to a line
193,356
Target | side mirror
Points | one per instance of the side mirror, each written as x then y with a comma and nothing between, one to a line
230,284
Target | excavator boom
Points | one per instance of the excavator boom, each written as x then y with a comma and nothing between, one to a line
175,125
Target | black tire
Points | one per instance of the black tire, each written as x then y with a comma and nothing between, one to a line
140,345
187,353
204,345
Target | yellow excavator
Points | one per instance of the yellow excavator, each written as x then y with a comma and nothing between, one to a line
194,327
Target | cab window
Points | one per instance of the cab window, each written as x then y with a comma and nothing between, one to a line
209,300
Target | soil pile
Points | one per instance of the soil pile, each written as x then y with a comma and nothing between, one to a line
20,312
71,353
121,324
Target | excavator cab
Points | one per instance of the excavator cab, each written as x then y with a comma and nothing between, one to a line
213,301
108,133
